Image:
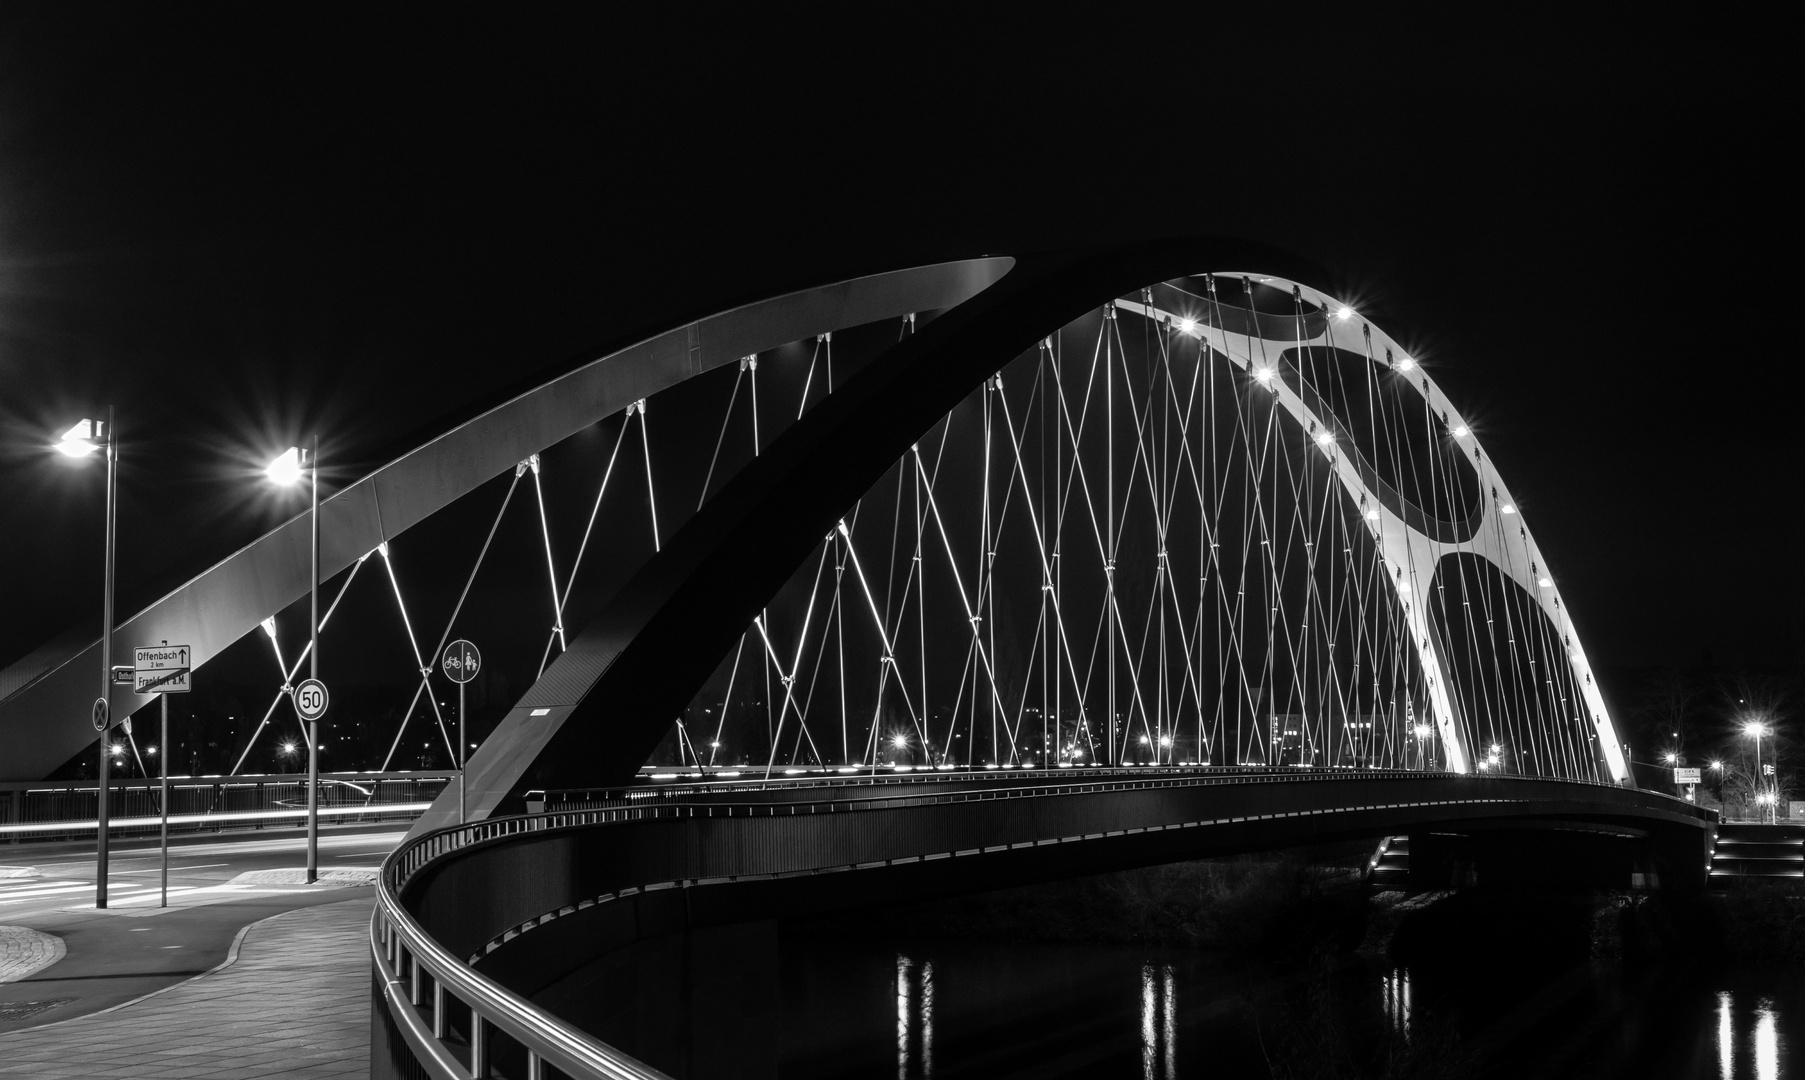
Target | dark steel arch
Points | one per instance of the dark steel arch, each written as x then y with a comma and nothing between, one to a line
602,706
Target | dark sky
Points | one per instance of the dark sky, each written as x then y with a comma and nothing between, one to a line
242,221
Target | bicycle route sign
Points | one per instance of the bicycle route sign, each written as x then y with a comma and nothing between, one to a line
461,661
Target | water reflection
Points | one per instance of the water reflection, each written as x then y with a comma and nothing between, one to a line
1159,1022
1767,1043
1726,1038
914,1018
1394,990
1763,1042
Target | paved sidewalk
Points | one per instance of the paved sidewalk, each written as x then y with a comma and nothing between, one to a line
24,951
294,1003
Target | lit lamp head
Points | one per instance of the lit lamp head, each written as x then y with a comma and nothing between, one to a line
1672,757
81,440
1754,729
901,742
286,469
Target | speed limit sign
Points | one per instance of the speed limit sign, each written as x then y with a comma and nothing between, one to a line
311,699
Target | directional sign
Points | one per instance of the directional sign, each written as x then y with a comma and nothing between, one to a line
123,674
99,714
311,699
461,661
1686,776
161,669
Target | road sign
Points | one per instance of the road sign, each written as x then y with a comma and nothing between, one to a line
161,669
1686,776
1767,770
461,661
311,699
123,674
99,715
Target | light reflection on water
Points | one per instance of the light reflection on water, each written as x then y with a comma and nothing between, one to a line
1159,1022
914,1014
938,1009
1760,1042
1394,999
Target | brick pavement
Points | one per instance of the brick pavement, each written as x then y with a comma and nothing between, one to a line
24,951
294,1003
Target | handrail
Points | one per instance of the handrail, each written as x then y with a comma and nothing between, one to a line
407,957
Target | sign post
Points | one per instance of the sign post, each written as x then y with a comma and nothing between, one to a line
461,663
162,670
311,700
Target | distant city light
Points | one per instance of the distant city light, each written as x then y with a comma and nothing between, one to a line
1165,740
285,469
79,441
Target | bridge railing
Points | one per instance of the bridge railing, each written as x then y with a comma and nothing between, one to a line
57,810
447,1013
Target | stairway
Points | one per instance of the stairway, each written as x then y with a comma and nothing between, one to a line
1758,851
1389,867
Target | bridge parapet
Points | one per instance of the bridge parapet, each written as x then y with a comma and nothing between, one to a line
474,921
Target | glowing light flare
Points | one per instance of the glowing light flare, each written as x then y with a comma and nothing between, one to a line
900,742
1325,438
1264,375
1187,326
1507,509
1462,431
286,469
1672,758
1404,363
1421,731
1546,583
1754,729
79,441
1344,313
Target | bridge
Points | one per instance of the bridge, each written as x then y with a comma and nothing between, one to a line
933,581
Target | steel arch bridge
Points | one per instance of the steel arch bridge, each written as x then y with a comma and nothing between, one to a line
1169,504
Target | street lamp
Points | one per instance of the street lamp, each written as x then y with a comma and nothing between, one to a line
1754,729
287,470
78,442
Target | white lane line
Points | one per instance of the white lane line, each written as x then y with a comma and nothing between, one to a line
29,894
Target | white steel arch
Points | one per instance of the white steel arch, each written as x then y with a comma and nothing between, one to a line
1411,554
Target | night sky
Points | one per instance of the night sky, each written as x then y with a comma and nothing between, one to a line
244,222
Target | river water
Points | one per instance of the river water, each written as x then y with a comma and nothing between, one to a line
872,1006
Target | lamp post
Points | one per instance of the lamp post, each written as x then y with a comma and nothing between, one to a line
287,469
78,442
1754,729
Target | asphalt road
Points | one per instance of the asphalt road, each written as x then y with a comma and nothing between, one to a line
135,947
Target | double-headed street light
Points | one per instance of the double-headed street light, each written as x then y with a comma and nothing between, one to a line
78,442
286,470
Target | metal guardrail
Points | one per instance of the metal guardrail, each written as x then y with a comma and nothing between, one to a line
51,810
428,990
